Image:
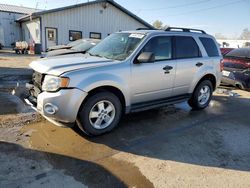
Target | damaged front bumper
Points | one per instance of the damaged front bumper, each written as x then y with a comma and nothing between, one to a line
61,107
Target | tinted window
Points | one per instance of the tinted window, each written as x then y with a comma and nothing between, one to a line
228,64
209,46
160,46
186,47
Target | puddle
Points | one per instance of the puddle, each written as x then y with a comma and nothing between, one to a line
227,92
64,141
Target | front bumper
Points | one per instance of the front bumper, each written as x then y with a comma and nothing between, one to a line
66,102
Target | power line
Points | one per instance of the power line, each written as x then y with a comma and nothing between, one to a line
204,9
176,6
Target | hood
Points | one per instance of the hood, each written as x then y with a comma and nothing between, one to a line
60,52
60,64
58,47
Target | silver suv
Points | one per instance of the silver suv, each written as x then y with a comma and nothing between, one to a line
127,72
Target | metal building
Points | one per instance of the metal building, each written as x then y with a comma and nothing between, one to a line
10,30
95,19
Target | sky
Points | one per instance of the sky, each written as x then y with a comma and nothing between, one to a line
228,17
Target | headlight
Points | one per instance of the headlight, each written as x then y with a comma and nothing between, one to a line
53,83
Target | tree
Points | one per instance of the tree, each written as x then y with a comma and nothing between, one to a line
159,25
246,45
245,35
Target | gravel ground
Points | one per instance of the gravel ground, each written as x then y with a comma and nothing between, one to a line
169,147
11,60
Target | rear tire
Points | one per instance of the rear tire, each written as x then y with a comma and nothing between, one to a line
240,86
100,114
202,95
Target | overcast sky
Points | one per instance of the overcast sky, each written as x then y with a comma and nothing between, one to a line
228,17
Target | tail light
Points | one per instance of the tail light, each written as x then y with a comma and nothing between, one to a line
221,65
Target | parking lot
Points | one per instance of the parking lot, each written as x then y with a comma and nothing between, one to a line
169,147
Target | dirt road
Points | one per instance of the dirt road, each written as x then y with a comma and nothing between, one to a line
9,59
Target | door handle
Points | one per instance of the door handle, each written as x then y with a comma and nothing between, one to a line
199,64
167,69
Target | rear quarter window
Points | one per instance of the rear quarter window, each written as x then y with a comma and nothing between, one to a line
210,46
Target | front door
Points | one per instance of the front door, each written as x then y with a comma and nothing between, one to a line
51,37
152,81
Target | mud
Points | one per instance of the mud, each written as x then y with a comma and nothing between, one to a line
47,137
168,147
156,147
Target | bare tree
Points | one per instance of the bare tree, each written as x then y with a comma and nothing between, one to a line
159,25
245,35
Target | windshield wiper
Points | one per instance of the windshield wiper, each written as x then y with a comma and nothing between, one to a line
97,55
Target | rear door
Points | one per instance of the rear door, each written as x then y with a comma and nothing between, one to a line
189,60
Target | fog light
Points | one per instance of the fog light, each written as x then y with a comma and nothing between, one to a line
50,108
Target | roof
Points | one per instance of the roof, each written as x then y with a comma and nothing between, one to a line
36,14
16,9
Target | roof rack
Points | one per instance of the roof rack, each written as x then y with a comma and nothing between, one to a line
184,29
145,29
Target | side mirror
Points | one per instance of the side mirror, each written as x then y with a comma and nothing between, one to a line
146,57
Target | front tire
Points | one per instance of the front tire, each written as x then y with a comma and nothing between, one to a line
100,114
202,95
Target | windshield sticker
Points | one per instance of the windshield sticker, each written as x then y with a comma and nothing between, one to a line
136,35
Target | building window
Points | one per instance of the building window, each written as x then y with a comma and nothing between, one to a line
94,35
74,35
51,35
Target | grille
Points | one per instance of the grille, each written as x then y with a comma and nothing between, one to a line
37,79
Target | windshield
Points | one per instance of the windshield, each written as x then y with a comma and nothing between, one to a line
239,53
117,46
84,46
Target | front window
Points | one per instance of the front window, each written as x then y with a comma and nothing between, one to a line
161,47
117,46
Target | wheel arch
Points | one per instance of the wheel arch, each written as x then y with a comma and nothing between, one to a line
209,77
116,91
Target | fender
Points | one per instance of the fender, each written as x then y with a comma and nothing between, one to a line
105,79
200,74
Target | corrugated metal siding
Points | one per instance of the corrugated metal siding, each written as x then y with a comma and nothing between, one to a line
31,31
16,9
90,18
10,31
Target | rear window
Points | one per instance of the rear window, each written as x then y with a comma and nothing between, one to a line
186,47
210,46
234,65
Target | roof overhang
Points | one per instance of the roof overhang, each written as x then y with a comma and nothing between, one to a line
38,14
